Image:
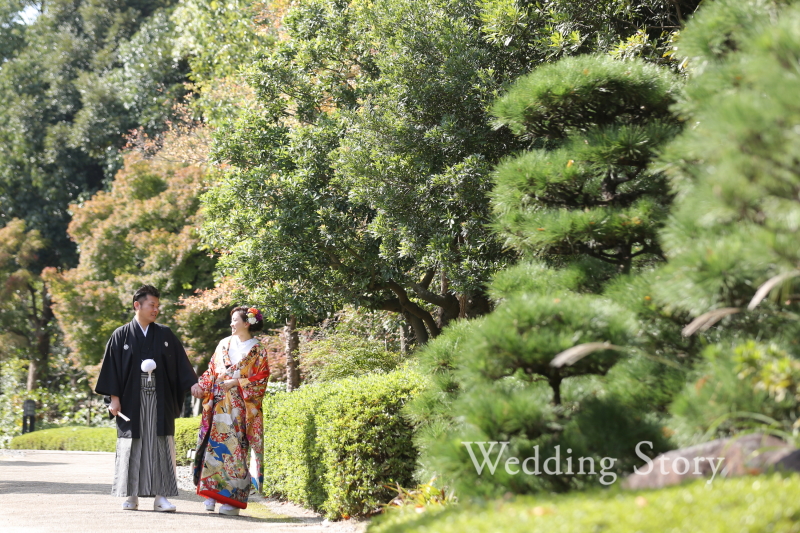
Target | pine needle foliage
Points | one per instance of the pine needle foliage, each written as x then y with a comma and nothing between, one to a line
736,172
581,206
585,188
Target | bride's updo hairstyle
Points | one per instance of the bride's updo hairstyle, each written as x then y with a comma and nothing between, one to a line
250,315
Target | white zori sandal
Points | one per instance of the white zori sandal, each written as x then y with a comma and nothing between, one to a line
131,504
163,505
209,504
228,510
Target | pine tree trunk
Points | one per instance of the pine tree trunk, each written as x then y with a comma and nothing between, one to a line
292,344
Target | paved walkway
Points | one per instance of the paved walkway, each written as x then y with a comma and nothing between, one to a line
53,491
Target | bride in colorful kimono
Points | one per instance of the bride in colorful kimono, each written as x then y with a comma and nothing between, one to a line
230,445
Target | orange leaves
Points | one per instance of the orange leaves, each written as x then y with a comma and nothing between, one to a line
18,248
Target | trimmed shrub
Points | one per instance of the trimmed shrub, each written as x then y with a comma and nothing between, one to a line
89,439
185,438
763,503
334,445
85,439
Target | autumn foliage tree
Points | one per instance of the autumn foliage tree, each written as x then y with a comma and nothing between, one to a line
142,230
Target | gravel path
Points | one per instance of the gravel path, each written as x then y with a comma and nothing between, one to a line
62,492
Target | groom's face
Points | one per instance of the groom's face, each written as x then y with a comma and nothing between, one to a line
147,310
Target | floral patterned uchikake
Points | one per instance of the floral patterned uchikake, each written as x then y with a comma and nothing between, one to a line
231,426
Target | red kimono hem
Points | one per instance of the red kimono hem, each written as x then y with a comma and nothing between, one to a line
221,499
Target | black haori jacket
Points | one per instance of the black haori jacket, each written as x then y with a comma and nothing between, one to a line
120,375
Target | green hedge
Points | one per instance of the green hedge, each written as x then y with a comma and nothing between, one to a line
752,504
91,439
79,438
185,438
334,445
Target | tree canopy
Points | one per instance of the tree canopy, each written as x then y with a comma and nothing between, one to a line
143,230
363,174
77,78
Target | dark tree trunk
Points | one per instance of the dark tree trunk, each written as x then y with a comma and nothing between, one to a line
555,384
420,332
474,305
292,344
449,308
40,318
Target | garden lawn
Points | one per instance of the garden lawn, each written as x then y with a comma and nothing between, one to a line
751,504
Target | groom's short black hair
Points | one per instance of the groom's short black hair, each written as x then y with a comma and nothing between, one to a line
142,292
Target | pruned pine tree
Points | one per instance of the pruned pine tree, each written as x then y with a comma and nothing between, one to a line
732,244
583,207
585,189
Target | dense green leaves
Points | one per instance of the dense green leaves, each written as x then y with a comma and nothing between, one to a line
339,446
86,73
363,174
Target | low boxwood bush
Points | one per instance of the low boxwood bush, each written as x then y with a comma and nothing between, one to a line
752,504
90,439
85,439
185,438
335,445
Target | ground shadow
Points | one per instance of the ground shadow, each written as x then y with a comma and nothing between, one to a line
29,463
52,487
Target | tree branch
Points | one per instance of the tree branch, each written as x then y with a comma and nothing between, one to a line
425,282
392,304
413,308
35,314
430,297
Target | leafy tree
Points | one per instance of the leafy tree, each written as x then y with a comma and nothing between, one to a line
143,230
363,175
12,28
221,40
108,68
25,313
73,80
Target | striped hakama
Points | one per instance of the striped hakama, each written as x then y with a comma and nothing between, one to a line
146,466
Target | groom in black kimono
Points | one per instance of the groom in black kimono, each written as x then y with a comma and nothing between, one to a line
145,462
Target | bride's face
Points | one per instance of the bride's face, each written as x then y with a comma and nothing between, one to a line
237,324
